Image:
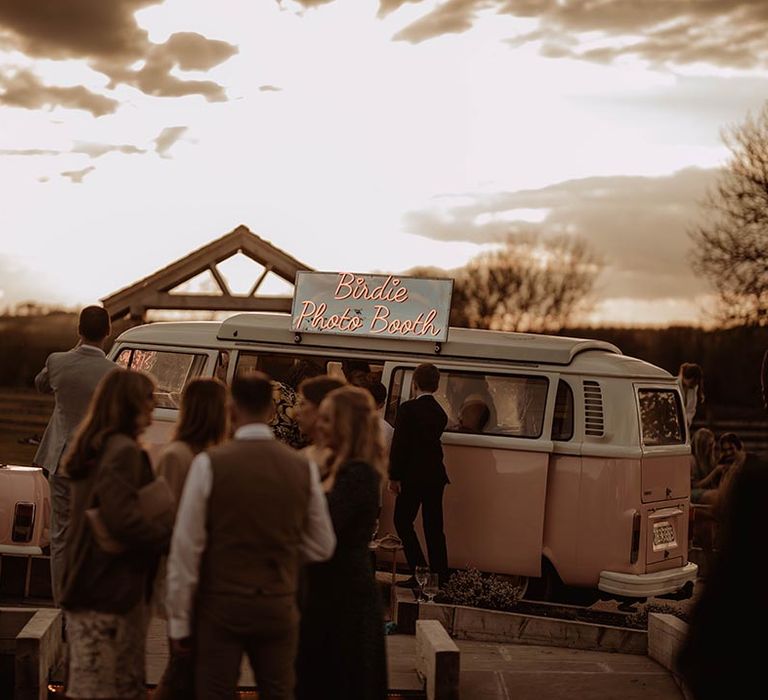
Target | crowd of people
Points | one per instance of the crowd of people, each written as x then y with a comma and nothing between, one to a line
714,460
243,543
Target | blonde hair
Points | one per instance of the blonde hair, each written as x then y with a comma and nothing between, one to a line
703,450
120,398
356,428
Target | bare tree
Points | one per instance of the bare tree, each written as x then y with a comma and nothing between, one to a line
531,284
731,247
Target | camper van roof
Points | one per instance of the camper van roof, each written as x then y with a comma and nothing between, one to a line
462,342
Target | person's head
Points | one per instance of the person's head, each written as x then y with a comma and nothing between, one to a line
703,447
203,416
311,394
691,375
122,403
93,325
379,393
426,378
355,371
730,447
347,423
252,400
474,415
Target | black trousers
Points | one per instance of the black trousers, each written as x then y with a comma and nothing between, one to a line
430,499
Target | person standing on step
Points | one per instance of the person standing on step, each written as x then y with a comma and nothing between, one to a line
417,473
71,377
251,512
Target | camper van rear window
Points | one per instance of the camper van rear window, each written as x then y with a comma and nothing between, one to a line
379,306
661,417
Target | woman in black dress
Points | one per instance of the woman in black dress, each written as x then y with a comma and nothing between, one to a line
341,649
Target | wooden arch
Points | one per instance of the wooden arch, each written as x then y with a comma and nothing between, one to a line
154,292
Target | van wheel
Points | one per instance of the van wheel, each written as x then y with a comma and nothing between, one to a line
546,587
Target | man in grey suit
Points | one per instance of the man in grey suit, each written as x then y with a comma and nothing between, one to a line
71,377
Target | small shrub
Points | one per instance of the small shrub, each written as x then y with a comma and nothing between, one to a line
475,589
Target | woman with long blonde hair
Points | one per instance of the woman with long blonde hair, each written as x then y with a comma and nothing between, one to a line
104,593
341,647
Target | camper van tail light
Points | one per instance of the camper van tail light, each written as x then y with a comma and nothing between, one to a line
23,522
635,551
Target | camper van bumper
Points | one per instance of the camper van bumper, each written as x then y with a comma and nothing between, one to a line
647,585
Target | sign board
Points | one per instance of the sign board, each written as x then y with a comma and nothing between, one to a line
380,306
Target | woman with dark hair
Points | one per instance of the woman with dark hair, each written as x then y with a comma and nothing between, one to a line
105,593
311,394
341,646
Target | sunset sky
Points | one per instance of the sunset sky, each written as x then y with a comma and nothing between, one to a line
367,134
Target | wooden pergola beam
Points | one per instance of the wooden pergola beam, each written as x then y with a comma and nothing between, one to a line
143,294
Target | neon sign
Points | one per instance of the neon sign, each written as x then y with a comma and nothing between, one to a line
383,306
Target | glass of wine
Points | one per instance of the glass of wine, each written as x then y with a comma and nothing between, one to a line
421,574
431,587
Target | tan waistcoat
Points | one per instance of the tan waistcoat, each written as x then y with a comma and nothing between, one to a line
257,513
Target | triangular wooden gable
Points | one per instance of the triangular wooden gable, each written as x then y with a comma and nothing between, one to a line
154,292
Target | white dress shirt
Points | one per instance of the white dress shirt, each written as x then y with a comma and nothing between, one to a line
190,533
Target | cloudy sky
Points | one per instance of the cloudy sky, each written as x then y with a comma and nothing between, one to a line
367,134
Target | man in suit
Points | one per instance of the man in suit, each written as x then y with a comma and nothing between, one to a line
252,511
417,473
71,377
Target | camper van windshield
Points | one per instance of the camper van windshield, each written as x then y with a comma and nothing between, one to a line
171,370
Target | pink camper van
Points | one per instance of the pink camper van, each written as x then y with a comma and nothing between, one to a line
578,473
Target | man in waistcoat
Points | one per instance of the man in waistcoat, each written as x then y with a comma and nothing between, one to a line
252,511
71,377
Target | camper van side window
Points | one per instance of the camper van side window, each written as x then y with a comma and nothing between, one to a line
661,417
172,371
491,404
292,370
562,422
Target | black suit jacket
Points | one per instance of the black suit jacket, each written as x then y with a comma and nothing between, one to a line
416,455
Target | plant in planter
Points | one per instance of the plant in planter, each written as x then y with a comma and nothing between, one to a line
475,589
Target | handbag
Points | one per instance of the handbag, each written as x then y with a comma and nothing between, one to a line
156,502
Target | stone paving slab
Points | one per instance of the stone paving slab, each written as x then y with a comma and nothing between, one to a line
525,672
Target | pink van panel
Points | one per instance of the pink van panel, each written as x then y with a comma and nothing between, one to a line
665,478
492,533
602,538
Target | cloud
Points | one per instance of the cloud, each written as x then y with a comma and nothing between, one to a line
450,17
107,37
270,88
27,152
729,33
19,283
96,150
167,138
638,224
23,89
76,176
186,51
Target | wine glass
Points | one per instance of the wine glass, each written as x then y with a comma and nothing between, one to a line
421,574
431,587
